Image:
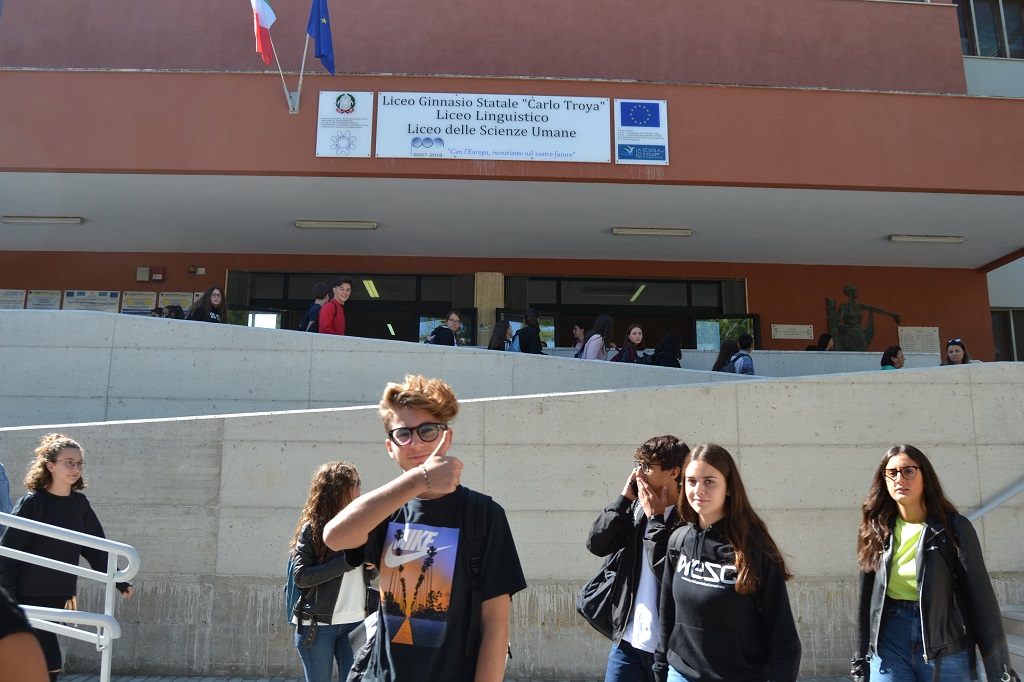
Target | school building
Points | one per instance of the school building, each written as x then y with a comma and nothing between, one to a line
486,156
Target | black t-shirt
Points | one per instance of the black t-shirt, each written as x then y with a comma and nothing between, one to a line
425,587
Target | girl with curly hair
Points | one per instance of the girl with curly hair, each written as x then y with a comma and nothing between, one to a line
54,482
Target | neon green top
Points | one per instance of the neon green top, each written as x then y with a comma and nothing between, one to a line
903,576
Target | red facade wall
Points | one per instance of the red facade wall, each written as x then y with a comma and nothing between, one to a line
732,136
956,301
844,44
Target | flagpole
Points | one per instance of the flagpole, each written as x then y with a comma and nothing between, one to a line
302,69
292,108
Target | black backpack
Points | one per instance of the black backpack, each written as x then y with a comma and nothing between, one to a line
730,366
625,354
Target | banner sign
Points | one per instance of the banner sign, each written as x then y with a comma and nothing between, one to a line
182,298
641,131
344,124
12,299
43,299
103,301
138,302
421,125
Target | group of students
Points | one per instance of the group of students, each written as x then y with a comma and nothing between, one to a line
212,306
597,343
699,590
956,354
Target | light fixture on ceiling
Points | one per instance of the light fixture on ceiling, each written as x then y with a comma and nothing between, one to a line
926,238
336,224
391,329
371,288
653,231
639,291
41,220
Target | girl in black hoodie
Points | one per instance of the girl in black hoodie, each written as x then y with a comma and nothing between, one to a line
724,610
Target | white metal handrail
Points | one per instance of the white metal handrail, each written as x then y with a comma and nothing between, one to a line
996,502
56,620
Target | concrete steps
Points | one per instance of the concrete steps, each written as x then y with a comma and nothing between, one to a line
1013,624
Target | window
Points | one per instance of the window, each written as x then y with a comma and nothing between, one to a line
991,28
1008,334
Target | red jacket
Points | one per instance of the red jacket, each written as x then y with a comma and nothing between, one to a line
332,318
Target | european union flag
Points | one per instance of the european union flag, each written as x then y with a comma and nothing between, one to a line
319,29
640,114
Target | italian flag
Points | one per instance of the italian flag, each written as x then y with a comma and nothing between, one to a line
262,19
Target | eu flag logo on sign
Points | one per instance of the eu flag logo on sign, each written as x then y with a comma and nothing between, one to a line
640,114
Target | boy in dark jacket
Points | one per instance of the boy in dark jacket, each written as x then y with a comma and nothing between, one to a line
645,507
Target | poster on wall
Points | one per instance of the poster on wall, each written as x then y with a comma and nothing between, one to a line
641,131
431,125
43,299
138,302
100,301
182,298
12,299
344,124
920,340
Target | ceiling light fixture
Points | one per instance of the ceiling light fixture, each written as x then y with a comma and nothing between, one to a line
391,329
638,292
336,224
41,220
371,289
655,231
926,238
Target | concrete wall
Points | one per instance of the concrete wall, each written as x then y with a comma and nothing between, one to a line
211,502
70,366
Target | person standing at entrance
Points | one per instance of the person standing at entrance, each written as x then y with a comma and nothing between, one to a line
54,482
332,313
447,334
638,523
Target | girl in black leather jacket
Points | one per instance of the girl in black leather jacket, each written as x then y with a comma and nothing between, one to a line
333,584
926,599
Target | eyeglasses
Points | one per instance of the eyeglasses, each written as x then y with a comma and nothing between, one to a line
907,472
644,467
954,341
428,432
72,464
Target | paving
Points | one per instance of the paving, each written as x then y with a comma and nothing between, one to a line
81,677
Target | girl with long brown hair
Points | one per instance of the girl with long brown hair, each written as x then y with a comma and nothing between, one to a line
333,584
926,599
724,610
54,481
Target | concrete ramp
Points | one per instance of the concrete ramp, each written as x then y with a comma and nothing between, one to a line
212,502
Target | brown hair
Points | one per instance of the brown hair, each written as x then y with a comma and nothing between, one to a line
50,445
432,396
744,529
665,451
332,489
880,510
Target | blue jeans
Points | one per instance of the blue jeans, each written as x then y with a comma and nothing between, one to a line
329,645
629,664
900,656
674,676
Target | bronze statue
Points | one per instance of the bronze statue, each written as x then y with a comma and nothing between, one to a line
845,321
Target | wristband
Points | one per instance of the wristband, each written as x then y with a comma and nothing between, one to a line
425,477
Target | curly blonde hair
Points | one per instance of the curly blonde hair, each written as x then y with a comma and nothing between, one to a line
432,396
50,445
